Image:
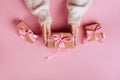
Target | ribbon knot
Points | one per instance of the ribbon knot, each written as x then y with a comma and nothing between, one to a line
61,40
94,32
31,35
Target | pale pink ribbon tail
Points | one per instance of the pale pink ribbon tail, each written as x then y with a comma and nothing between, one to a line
59,39
59,50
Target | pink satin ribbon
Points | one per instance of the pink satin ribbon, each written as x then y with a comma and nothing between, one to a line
94,32
59,39
31,35
24,32
60,50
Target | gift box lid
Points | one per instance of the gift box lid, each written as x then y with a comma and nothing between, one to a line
92,26
69,44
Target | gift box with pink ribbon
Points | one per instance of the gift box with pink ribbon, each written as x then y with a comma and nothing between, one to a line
25,32
60,40
94,33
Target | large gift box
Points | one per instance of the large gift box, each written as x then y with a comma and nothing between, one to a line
94,32
60,40
25,32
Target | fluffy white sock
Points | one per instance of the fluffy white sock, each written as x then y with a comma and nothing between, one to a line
77,8
40,8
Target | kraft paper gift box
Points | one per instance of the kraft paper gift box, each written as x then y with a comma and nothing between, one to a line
93,32
60,40
25,32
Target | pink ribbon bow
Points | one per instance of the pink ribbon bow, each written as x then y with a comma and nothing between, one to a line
59,39
31,35
94,32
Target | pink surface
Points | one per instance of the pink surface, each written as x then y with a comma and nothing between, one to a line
20,60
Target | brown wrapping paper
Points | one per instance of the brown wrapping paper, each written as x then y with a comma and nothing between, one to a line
51,44
92,27
23,26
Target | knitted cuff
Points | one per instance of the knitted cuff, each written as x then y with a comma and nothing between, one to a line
40,8
77,9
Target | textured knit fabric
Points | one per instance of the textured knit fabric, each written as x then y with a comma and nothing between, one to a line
40,8
76,8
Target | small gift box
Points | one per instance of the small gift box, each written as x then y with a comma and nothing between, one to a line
60,40
94,32
25,32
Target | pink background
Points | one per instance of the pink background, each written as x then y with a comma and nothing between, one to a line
20,60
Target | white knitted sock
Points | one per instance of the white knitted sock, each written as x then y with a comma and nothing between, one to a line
40,8
77,8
